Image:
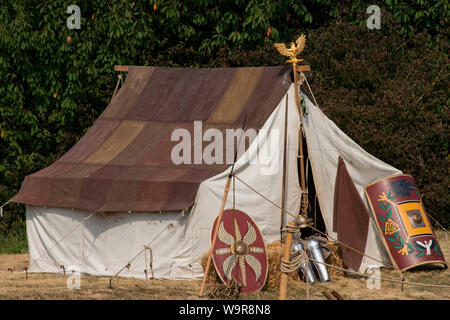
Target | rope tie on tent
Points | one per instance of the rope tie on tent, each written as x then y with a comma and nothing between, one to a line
297,260
60,240
128,265
151,262
119,80
381,278
445,230
311,226
309,88
291,228
1,208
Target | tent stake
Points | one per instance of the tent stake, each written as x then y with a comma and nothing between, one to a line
328,295
402,277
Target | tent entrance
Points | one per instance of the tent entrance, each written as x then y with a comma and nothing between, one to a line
314,211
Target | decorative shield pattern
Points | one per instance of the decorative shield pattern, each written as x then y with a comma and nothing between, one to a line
402,222
239,252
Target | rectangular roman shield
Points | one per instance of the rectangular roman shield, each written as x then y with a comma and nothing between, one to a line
402,222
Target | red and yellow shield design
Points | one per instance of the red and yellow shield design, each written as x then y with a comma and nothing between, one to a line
239,253
402,222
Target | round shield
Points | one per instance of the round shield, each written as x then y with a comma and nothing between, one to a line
239,253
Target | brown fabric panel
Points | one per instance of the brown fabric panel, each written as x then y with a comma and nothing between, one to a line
210,93
91,141
67,186
159,155
108,172
155,94
54,170
125,133
178,106
81,170
122,196
197,176
126,97
137,173
167,175
93,193
65,192
96,187
126,164
180,193
237,95
153,194
144,143
273,85
34,191
350,217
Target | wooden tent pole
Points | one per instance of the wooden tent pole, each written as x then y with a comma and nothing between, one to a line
283,186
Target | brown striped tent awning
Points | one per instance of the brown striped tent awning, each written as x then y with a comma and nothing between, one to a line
123,162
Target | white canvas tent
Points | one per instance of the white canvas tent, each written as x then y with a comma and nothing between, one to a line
103,242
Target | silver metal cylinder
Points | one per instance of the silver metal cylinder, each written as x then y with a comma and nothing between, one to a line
297,246
316,253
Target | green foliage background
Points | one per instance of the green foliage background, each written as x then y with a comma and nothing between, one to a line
388,88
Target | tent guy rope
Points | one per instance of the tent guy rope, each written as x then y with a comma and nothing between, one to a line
381,278
83,221
349,247
309,225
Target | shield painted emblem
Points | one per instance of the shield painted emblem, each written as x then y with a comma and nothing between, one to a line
402,222
239,253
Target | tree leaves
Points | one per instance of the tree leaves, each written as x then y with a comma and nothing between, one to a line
36,60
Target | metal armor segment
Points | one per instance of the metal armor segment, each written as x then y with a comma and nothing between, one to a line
296,246
402,222
239,253
316,253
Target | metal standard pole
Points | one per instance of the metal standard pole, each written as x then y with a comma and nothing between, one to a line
290,235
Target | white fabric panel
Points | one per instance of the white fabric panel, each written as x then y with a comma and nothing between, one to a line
267,182
105,243
326,142
53,233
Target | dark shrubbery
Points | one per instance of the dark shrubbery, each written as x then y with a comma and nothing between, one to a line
388,88
390,95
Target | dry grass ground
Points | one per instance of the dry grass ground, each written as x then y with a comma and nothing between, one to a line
13,285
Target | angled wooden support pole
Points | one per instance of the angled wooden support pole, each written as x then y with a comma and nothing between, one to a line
216,231
222,207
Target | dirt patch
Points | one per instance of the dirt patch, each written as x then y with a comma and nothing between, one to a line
13,285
